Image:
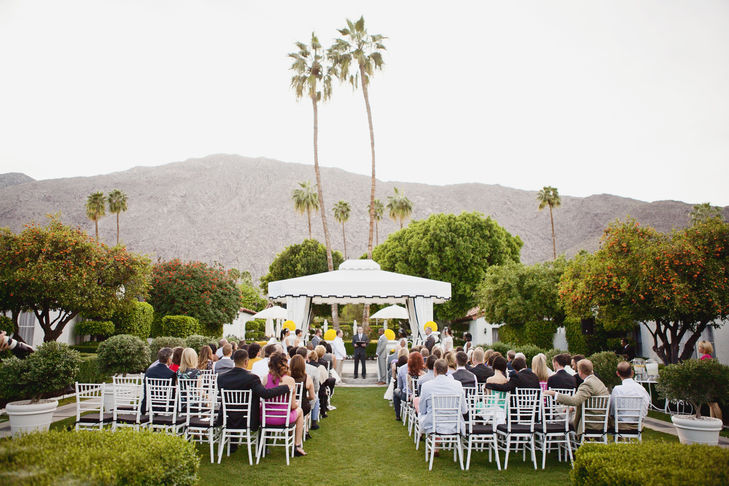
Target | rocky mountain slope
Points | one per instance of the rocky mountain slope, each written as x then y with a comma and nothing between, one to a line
238,210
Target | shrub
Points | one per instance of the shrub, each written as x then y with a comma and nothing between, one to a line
575,339
502,347
540,334
696,381
197,341
179,326
530,351
46,372
123,354
6,324
650,462
551,354
164,342
137,320
89,371
87,347
511,334
98,457
96,329
605,364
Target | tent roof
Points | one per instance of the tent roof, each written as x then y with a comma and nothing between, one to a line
359,281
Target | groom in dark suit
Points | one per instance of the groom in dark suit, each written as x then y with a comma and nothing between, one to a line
239,378
359,341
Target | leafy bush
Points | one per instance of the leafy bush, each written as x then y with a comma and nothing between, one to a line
98,329
502,347
540,334
88,347
696,381
123,354
197,341
137,320
551,354
179,326
575,339
6,324
98,457
530,351
48,371
89,371
653,462
605,364
511,334
164,342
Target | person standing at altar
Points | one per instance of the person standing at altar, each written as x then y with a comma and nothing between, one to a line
382,356
359,341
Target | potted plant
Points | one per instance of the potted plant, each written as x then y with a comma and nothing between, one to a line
698,382
45,373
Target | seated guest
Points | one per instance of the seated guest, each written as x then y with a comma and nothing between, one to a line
499,376
510,355
539,368
437,351
462,374
442,384
400,392
522,378
278,374
487,356
324,382
628,388
573,368
239,378
326,358
188,364
450,358
298,373
233,347
176,356
313,373
161,370
591,386
479,369
224,364
398,361
260,368
221,343
492,357
415,369
291,351
205,361
253,350
429,363
560,378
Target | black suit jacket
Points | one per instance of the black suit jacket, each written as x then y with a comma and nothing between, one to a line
482,372
561,379
465,377
158,370
523,379
241,379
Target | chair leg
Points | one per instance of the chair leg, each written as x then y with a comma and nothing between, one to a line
544,451
248,440
260,446
468,455
534,454
221,446
432,454
495,445
212,448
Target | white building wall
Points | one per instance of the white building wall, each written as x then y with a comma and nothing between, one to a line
32,332
718,337
238,326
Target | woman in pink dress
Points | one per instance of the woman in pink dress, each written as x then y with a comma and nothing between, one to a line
705,349
278,374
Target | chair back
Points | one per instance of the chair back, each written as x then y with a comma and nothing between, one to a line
628,410
411,386
129,380
239,402
208,378
565,391
160,397
523,407
554,415
127,397
276,411
470,390
300,392
481,387
199,402
447,413
595,414
90,398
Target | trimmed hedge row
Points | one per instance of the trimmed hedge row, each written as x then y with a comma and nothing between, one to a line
650,462
95,328
98,457
89,371
179,326
136,321
123,353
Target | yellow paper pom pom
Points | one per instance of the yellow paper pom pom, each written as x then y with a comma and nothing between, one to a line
390,334
289,325
330,335
432,325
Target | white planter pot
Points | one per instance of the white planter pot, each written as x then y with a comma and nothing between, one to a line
26,417
704,430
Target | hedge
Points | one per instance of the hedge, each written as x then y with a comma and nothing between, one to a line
370,350
95,328
136,321
605,365
650,462
47,372
98,457
89,371
179,326
164,342
88,347
6,324
123,354
197,341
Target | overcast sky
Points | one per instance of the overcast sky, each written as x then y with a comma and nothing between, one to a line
622,97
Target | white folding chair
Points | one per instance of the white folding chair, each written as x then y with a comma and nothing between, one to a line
236,428
301,396
276,425
127,404
412,392
162,405
199,412
595,412
480,433
90,407
554,428
628,418
518,431
447,428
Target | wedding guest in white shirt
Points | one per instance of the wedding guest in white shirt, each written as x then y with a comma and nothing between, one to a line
629,388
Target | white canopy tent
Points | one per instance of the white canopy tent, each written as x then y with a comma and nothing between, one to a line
361,282
276,312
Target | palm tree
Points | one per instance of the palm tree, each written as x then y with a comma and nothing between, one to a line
305,199
117,204
313,78
548,196
95,209
357,46
379,211
400,207
341,214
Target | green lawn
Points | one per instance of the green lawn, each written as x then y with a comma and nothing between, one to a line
361,442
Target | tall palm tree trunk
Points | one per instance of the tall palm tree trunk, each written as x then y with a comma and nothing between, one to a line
117,229
365,93
554,240
96,223
320,194
377,232
344,239
308,217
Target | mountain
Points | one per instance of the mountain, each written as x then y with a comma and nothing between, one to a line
238,211
13,178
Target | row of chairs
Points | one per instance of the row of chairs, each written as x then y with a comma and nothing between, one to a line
526,420
190,407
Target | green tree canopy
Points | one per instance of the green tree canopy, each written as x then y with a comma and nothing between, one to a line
60,268
456,249
342,211
117,204
548,196
399,206
195,289
306,258
676,284
96,209
305,200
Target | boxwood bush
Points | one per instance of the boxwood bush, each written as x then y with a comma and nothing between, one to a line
179,326
605,364
137,320
89,371
123,354
197,341
650,462
98,457
96,329
47,372
164,342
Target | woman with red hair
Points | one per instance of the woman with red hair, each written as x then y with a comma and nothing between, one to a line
416,369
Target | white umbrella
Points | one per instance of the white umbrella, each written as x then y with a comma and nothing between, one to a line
391,312
275,312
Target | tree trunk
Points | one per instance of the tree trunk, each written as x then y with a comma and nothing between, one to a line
554,240
308,218
372,148
51,333
96,223
377,233
344,240
117,229
322,208
400,223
